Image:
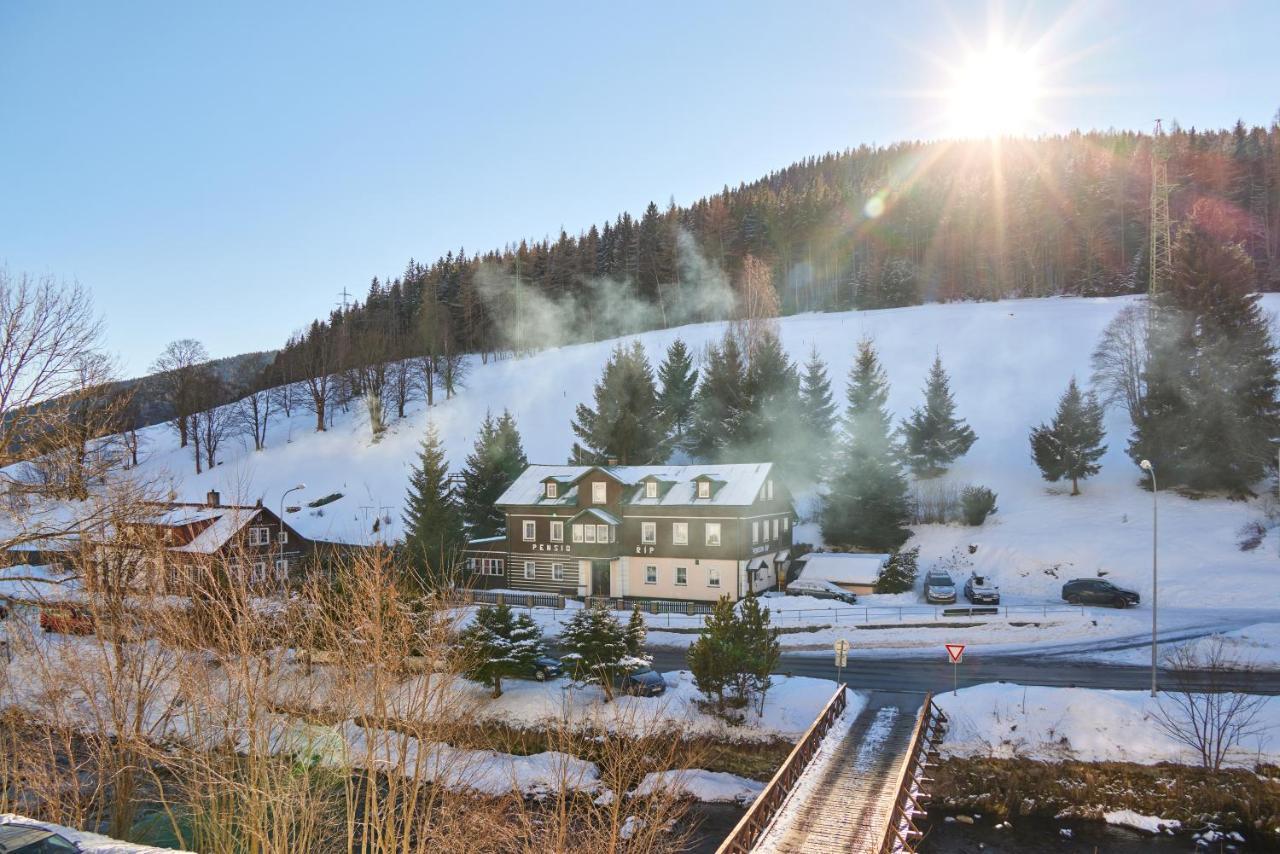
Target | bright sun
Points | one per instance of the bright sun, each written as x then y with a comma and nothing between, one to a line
995,93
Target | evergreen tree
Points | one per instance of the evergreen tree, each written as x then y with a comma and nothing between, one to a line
720,411
1070,447
637,632
899,573
597,648
679,381
498,645
759,642
714,657
1210,415
817,418
622,425
772,387
433,525
866,505
933,438
493,465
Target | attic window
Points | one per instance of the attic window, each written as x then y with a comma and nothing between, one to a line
598,493
704,489
551,489
651,489
768,487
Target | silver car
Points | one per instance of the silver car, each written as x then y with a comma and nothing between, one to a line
939,589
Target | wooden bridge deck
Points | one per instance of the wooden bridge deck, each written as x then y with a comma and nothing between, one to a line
845,798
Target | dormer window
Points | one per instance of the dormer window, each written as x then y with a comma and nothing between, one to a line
599,492
704,489
651,489
551,489
768,488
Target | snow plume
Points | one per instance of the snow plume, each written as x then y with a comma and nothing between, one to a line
528,318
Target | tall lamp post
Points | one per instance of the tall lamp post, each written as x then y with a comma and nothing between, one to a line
1146,466
279,537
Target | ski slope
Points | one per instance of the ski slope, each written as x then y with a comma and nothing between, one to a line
1009,361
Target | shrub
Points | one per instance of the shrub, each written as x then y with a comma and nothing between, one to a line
899,573
976,504
935,502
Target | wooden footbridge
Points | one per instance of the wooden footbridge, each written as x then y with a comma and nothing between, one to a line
854,782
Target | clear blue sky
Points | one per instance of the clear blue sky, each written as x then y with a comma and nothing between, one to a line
221,171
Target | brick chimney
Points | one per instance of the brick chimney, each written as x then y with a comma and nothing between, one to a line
213,499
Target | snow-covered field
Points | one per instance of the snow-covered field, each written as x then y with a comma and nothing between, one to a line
1054,724
1008,360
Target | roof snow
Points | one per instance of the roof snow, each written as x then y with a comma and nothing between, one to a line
230,521
739,484
843,567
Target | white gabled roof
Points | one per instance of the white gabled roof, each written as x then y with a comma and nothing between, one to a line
230,521
842,567
736,484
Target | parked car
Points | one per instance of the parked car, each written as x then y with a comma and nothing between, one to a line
820,589
645,682
1097,591
29,839
939,589
546,667
981,590
66,619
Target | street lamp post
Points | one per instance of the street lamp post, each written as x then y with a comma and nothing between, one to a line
1151,470
280,539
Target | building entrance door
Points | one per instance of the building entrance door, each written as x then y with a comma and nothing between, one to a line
599,578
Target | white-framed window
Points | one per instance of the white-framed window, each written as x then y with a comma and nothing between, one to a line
530,570
680,533
602,534
530,530
682,576
713,577
589,533
260,537
786,523
650,575
282,569
704,489
755,533
282,537
577,533
551,489
713,533
259,571
557,572
768,488
491,566
651,489
557,532
599,492
648,532
471,564
775,528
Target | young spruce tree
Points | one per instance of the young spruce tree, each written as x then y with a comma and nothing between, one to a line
433,525
933,438
1070,447
719,421
866,505
678,379
499,645
493,465
771,423
817,418
598,649
621,425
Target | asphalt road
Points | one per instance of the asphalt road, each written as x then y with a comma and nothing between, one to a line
915,674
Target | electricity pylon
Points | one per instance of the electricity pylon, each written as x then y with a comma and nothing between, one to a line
1161,256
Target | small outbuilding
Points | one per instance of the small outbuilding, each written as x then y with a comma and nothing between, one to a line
856,573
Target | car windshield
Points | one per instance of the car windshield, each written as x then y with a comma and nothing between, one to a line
939,579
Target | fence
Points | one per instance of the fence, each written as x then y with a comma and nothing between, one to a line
751,826
650,606
902,833
514,598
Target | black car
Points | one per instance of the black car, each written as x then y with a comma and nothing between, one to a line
29,839
545,667
642,683
1095,591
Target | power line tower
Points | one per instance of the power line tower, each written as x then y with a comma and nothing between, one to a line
1161,242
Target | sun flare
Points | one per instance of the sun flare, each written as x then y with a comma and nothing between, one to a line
995,93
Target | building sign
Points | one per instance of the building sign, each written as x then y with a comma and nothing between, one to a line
645,550
550,547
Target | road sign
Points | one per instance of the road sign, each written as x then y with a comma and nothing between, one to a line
955,652
842,654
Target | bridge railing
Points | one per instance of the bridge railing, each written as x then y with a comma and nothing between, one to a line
902,833
752,826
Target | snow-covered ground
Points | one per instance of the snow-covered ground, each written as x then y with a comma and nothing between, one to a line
1054,724
1008,361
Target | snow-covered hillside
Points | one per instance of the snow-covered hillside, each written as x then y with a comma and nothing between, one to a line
1009,362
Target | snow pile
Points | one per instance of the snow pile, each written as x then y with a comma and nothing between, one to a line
89,843
1254,646
1090,725
1150,824
713,787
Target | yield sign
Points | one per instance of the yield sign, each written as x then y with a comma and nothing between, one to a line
955,651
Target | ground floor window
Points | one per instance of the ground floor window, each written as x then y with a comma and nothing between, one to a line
282,569
530,570
682,576
557,572
650,575
713,577
259,572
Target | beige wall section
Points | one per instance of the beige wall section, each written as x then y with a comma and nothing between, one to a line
697,575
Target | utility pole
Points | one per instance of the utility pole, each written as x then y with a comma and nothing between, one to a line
1161,252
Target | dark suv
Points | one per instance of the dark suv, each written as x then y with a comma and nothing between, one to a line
1095,591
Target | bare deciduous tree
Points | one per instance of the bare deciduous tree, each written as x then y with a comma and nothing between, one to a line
757,309
1120,359
1202,712
182,369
